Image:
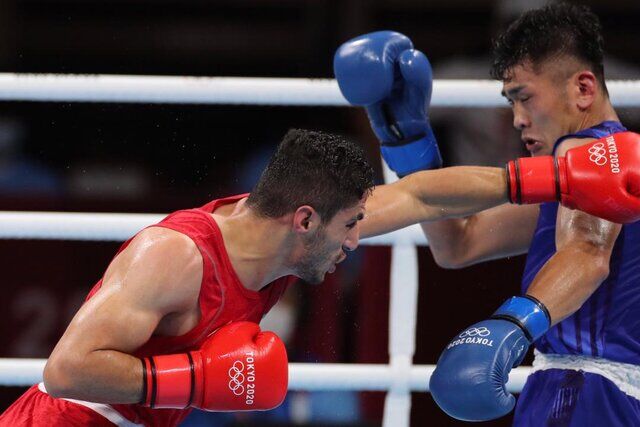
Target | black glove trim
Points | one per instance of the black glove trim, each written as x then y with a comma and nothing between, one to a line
515,322
154,384
558,190
193,380
518,189
506,167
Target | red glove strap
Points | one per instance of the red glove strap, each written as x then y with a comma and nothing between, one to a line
535,180
173,381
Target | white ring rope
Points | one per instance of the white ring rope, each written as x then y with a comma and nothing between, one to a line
302,376
245,90
120,227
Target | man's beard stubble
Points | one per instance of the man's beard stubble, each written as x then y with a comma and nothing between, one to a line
309,269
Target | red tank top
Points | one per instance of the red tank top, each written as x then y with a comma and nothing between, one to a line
222,299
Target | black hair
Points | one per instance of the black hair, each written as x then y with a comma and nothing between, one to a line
322,170
553,30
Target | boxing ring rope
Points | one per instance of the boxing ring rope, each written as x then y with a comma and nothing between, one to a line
244,90
400,376
118,227
302,376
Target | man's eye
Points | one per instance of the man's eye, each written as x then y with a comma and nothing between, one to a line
351,225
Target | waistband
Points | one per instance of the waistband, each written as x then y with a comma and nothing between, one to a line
624,375
103,409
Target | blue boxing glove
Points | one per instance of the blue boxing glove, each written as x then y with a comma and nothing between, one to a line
382,72
469,382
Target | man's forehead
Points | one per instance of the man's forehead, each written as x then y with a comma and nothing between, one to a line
518,72
362,202
356,209
519,77
550,69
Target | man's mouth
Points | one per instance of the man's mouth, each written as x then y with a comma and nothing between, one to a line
532,145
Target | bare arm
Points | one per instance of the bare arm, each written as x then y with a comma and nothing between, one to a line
433,195
158,274
496,233
580,264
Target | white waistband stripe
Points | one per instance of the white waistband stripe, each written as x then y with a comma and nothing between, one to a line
624,375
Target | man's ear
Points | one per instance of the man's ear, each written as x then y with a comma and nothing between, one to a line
305,219
586,85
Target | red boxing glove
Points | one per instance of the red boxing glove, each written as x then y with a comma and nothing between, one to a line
238,368
601,178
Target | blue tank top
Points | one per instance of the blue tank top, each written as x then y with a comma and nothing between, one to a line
608,323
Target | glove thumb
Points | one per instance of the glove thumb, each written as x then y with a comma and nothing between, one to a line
417,74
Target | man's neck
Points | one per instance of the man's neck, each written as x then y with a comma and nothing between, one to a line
257,246
601,112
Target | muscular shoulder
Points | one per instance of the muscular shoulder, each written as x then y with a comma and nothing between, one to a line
570,143
168,247
160,266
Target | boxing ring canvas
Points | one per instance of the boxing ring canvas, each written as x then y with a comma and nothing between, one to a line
398,378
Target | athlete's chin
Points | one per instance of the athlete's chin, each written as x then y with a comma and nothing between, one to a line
314,279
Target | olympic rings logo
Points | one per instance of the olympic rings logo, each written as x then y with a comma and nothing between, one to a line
236,378
598,154
472,332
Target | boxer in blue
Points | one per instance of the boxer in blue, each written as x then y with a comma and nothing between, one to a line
580,302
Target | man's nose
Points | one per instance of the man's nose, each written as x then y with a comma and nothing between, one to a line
352,240
520,119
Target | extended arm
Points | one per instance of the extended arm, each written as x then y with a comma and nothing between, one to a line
433,195
575,180
495,233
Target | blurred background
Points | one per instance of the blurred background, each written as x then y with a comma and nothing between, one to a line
159,158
